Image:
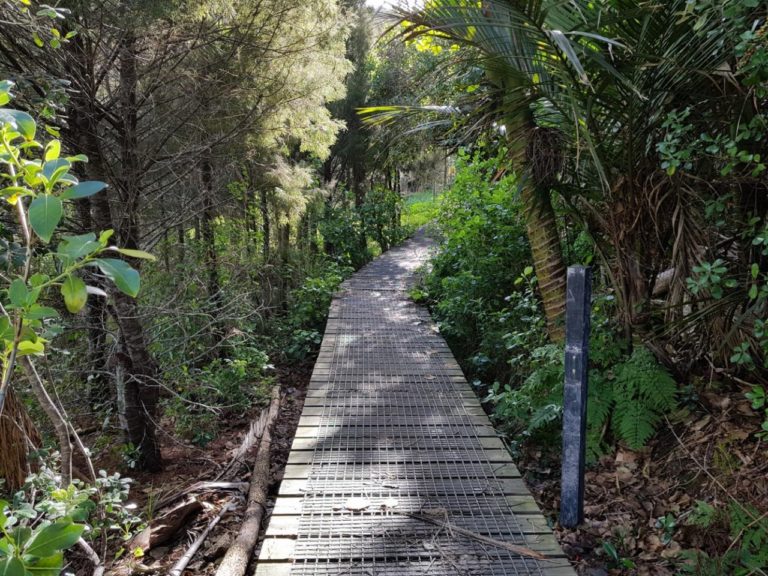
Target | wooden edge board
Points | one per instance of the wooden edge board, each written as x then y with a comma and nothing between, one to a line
270,568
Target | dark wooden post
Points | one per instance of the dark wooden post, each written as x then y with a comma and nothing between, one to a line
578,308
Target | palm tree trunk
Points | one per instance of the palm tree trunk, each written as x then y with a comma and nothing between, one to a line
541,226
548,262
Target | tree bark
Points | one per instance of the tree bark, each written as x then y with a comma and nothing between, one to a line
541,226
18,436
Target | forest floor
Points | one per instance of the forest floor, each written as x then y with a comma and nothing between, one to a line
644,511
186,465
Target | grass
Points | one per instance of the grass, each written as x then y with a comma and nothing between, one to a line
419,209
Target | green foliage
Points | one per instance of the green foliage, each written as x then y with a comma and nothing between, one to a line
223,388
309,303
381,217
747,531
643,392
342,229
43,519
419,210
35,173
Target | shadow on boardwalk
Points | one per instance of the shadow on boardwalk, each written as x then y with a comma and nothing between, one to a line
390,427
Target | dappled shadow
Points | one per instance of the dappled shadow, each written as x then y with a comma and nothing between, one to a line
396,434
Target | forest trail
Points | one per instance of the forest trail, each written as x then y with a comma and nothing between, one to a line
394,454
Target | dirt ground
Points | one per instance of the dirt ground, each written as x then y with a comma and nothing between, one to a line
640,506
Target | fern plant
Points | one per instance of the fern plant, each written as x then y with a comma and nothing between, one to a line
643,392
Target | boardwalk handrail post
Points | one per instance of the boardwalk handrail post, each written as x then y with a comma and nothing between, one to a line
577,324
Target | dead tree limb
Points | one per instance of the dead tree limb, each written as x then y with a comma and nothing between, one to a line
182,563
235,561
521,550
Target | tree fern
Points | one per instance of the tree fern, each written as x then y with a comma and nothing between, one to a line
643,393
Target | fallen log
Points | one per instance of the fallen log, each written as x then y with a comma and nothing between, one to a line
236,559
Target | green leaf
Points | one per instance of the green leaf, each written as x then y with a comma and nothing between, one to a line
37,312
136,254
30,348
83,190
12,567
75,293
44,215
54,538
49,566
105,236
37,40
52,150
6,329
20,121
753,292
55,169
3,506
17,293
73,248
120,272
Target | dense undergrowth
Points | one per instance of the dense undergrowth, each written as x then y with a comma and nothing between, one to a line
483,292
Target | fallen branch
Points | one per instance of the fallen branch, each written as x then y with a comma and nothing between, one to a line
98,565
200,486
521,550
235,561
182,563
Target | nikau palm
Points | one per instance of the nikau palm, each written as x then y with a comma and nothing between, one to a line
531,58
581,89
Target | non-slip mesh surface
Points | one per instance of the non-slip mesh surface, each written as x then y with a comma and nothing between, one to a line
393,430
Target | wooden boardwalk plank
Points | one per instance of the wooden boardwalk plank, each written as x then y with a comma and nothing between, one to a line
390,432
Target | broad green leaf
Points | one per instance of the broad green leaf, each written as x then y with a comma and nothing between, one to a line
49,566
136,254
18,292
76,247
37,40
75,294
78,158
54,538
6,329
83,190
44,215
120,272
38,312
30,348
54,169
12,567
105,236
4,98
52,150
3,506
20,121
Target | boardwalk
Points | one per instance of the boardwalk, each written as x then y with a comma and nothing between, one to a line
391,436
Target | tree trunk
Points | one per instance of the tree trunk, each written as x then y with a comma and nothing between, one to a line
265,224
139,387
541,226
208,236
18,436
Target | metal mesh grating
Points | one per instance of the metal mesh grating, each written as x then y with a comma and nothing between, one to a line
392,423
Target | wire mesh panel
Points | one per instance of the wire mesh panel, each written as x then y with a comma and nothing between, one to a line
399,474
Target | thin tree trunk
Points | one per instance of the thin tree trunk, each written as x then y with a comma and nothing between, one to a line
18,436
265,223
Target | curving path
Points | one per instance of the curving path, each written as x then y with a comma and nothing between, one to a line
393,450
